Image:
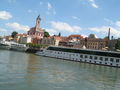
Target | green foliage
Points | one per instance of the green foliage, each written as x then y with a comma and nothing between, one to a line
14,33
31,45
106,37
117,46
46,34
59,34
92,36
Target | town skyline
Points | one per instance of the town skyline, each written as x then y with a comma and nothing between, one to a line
94,17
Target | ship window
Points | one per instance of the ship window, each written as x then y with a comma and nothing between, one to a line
111,59
90,57
106,59
50,51
101,58
116,64
81,56
92,52
117,60
95,57
86,56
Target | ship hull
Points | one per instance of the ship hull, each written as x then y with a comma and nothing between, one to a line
108,60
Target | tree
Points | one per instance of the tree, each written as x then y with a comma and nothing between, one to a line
106,37
46,34
14,33
92,36
117,45
59,34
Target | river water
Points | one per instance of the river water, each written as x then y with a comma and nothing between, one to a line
23,71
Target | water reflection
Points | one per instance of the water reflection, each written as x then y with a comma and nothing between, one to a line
31,70
22,71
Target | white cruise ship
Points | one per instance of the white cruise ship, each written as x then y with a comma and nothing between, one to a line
18,47
99,57
5,45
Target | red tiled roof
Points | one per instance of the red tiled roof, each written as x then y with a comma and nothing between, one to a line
21,35
76,36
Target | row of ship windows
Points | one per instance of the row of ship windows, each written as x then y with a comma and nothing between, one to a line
91,57
100,58
100,62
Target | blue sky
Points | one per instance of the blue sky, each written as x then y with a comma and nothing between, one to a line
66,16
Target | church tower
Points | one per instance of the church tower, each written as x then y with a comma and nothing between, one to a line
36,32
38,22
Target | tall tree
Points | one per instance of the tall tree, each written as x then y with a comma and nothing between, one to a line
106,37
46,34
92,36
14,33
59,34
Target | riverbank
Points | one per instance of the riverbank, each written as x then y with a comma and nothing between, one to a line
32,50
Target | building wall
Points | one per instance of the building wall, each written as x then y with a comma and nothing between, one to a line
25,39
98,44
47,41
112,44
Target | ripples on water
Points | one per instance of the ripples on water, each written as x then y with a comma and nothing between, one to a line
22,71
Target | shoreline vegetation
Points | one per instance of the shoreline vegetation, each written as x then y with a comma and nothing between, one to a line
33,48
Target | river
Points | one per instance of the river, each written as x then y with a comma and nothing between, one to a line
23,71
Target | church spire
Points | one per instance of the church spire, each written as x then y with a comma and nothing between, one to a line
38,21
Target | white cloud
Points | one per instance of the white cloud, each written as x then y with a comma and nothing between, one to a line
117,23
49,6
104,30
5,15
17,26
62,26
76,18
84,36
93,4
51,31
51,10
